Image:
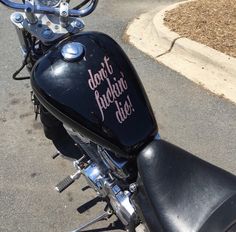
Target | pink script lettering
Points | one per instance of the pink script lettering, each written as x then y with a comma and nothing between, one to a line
97,78
115,88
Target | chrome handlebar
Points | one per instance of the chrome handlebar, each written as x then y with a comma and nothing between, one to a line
51,10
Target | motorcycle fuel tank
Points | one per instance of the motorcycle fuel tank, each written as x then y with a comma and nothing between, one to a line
97,93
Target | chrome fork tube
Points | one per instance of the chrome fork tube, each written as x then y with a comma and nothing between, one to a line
21,33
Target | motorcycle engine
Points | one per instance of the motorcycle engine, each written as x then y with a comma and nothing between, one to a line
105,186
103,174
107,159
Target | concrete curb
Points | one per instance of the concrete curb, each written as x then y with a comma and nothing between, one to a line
199,63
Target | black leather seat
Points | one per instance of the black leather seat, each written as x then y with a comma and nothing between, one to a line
179,192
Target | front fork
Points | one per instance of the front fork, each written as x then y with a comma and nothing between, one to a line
17,20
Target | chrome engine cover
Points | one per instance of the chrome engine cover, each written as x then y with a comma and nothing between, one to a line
118,166
102,182
106,187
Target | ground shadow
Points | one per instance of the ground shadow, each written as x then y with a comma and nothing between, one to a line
117,225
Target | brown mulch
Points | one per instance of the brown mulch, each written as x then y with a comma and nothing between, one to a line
210,22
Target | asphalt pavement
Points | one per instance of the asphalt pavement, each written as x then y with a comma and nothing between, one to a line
187,114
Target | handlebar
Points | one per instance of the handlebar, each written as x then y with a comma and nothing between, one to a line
51,10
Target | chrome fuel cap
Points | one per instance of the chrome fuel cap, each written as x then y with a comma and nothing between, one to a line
72,51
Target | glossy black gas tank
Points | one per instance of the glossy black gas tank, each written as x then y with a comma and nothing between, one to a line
99,95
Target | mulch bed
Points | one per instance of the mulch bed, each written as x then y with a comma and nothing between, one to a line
210,22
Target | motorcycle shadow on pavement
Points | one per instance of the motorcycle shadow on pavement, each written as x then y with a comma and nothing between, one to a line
116,225
88,205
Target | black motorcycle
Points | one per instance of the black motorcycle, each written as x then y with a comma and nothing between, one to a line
94,109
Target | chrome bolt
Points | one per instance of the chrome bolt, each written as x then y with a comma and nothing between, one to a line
63,13
47,33
126,193
79,24
31,17
133,187
18,18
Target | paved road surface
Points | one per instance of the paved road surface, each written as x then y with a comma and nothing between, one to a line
188,116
